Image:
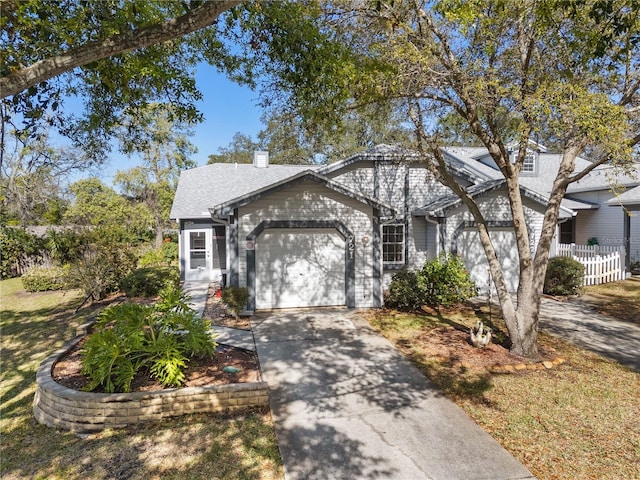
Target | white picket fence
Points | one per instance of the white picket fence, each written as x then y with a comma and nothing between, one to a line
602,264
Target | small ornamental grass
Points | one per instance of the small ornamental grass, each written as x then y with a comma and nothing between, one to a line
130,338
236,299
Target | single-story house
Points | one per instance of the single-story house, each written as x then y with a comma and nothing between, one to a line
299,236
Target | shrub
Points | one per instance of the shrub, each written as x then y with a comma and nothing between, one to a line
441,282
147,282
101,269
236,298
129,338
66,246
41,279
166,255
565,276
404,292
445,281
17,246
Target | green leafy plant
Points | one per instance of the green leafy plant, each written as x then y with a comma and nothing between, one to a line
565,276
446,282
404,291
129,338
236,298
16,247
41,279
442,282
66,245
101,269
147,282
166,255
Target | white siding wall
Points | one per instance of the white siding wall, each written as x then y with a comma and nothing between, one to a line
311,201
391,178
606,223
495,207
423,187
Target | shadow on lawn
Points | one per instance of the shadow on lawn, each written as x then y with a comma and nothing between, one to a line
27,339
199,446
241,447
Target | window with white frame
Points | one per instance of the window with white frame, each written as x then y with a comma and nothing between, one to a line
393,244
529,164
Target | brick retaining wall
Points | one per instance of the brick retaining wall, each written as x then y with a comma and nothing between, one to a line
58,406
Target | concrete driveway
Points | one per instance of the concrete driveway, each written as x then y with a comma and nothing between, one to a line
580,324
346,404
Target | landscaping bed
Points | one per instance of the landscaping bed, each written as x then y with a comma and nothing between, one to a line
200,371
237,446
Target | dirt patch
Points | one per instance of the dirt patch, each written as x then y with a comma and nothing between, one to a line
452,345
444,336
200,371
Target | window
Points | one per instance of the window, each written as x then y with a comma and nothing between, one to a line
567,231
393,244
529,164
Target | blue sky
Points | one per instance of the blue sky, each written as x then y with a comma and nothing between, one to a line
227,107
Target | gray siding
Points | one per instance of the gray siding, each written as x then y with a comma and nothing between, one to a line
496,209
358,177
310,201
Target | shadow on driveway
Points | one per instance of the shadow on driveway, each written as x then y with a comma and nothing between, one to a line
581,325
347,404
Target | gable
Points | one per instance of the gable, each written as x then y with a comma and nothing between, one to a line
440,206
227,208
201,188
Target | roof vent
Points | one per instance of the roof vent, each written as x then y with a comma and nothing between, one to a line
260,159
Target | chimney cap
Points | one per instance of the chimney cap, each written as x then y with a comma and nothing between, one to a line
260,159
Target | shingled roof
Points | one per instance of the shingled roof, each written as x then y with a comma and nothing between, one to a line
205,187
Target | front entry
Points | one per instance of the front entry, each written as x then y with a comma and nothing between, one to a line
198,255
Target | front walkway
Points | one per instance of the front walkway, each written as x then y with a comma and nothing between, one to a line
583,326
234,337
347,405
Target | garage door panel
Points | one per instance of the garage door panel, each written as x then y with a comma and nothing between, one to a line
475,260
299,269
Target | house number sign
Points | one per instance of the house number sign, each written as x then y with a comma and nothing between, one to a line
351,246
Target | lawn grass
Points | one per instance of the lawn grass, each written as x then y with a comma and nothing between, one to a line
239,446
620,300
578,420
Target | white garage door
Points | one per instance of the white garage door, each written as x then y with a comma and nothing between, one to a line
299,268
470,248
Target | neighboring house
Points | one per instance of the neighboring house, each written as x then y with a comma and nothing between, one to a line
300,236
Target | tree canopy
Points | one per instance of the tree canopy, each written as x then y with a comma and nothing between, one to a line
113,56
500,72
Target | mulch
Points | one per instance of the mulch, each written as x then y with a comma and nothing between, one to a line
199,372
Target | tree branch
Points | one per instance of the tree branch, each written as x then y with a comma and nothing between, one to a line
196,19
596,163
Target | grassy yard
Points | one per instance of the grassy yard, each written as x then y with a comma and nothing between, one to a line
199,446
620,300
578,420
